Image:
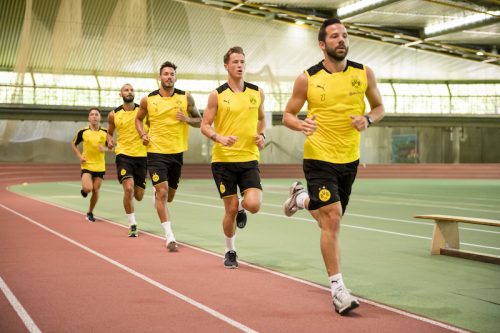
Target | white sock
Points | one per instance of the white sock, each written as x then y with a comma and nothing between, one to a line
336,282
240,204
301,199
230,243
131,219
168,231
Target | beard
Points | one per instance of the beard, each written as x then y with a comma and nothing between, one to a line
128,99
332,53
167,85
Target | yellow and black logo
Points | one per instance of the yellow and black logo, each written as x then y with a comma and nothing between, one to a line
355,83
324,194
123,172
222,188
155,177
252,100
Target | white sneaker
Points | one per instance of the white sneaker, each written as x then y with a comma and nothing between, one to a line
290,206
343,301
172,245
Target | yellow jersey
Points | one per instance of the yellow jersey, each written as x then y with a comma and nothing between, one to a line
333,98
128,141
237,114
94,158
167,134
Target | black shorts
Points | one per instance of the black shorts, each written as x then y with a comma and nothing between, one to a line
131,167
229,176
165,168
95,174
329,182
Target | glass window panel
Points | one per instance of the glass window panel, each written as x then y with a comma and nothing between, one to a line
420,89
10,78
108,82
200,100
56,80
385,89
110,98
416,104
388,101
476,105
85,97
197,85
474,89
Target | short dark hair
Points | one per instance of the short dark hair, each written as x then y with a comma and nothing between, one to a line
168,64
95,108
234,49
326,23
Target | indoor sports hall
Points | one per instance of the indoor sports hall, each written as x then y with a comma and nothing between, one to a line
419,241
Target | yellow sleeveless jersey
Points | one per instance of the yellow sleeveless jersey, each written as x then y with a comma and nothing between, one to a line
91,141
167,134
128,141
333,98
237,115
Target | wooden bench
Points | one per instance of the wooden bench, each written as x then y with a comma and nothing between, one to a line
446,241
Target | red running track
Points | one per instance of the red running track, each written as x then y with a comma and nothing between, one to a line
73,276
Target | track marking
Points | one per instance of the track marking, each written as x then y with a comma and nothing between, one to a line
21,312
305,282
143,277
429,224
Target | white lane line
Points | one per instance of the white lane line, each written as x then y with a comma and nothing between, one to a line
429,224
21,312
143,277
283,275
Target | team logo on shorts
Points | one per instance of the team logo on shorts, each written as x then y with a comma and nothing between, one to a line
155,177
324,194
222,188
123,172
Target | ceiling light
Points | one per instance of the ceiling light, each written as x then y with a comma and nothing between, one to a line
463,21
299,22
480,53
354,7
397,36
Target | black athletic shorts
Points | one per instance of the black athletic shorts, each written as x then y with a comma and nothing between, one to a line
131,167
229,176
95,174
165,168
329,182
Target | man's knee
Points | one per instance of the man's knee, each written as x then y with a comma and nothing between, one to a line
252,207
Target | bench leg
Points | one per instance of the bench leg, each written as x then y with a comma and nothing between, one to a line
445,235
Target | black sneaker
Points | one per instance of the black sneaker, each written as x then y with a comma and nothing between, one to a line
132,231
230,260
83,193
90,217
241,219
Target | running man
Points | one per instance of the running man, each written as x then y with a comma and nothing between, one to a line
170,112
236,109
91,158
334,90
131,166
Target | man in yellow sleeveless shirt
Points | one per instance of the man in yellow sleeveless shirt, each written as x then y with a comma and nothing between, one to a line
91,158
131,167
334,90
237,110
170,112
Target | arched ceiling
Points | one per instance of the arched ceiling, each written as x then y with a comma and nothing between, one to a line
133,37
